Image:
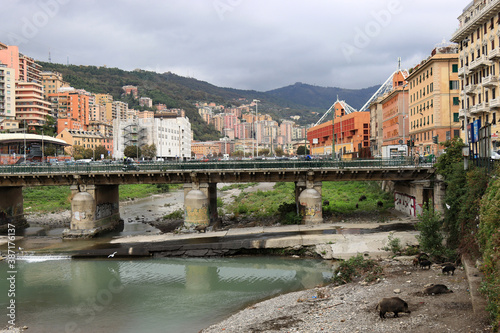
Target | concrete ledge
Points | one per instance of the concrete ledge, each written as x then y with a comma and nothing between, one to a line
475,277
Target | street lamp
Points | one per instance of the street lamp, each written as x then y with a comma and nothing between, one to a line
404,117
255,128
42,145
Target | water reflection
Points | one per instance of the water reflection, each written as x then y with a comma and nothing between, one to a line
154,295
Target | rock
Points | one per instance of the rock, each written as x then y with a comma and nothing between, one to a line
397,291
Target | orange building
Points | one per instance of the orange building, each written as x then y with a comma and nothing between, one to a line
31,108
72,109
352,132
395,121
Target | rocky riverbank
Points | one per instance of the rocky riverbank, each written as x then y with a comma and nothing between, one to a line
352,307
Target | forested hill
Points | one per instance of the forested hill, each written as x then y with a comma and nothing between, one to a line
323,97
308,102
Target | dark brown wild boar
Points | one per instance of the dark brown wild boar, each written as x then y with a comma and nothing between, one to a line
392,304
437,289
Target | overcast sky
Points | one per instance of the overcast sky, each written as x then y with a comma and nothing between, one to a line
244,44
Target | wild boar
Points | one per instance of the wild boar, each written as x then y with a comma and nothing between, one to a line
392,304
437,289
449,269
425,263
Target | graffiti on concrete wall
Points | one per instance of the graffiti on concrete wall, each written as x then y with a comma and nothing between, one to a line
405,203
105,210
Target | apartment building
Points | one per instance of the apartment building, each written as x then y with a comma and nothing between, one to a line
71,108
146,101
7,98
52,82
102,99
434,100
31,108
130,90
116,110
86,139
171,135
478,71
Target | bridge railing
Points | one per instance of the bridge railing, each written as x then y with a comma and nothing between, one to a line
211,165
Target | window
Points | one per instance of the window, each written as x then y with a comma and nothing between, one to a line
456,101
454,68
455,117
454,85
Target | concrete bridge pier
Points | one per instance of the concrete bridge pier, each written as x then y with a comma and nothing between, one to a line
11,208
200,204
410,197
94,209
309,202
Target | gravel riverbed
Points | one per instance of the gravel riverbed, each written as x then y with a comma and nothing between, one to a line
352,307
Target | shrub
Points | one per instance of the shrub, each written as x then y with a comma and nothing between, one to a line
393,244
357,267
175,215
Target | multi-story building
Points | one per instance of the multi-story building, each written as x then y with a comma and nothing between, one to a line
389,116
130,90
478,72
71,108
146,101
351,128
7,98
116,110
52,82
171,136
85,139
434,100
102,99
31,108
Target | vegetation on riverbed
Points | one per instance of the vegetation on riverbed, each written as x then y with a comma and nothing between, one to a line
357,268
471,220
45,199
343,198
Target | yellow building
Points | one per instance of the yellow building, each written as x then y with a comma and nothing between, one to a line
434,100
52,82
86,139
479,53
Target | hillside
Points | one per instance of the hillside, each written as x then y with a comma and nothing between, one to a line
323,97
309,102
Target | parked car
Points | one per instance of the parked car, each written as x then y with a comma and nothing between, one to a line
495,155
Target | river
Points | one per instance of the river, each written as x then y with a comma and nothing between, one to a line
54,293
57,294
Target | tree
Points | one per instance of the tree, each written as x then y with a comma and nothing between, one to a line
78,152
49,151
149,151
100,150
132,151
279,151
300,150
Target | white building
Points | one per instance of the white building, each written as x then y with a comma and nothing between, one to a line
7,98
171,135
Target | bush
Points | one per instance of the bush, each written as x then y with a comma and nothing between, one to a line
357,267
489,241
393,244
429,225
175,215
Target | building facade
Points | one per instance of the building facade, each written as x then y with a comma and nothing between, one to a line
434,100
478,71
7,98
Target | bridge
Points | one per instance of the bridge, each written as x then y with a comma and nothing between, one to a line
94,186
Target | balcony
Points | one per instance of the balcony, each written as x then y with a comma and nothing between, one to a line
495,103
491,80
461,113
472,23
463,71
479,108
494,54
470,89
478,62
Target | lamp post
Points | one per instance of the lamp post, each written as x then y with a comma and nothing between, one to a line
255,129
404,116
25,141
42,146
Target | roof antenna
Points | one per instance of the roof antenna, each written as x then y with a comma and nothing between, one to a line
399,64
50,60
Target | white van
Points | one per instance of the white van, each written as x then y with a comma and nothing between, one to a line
495,155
